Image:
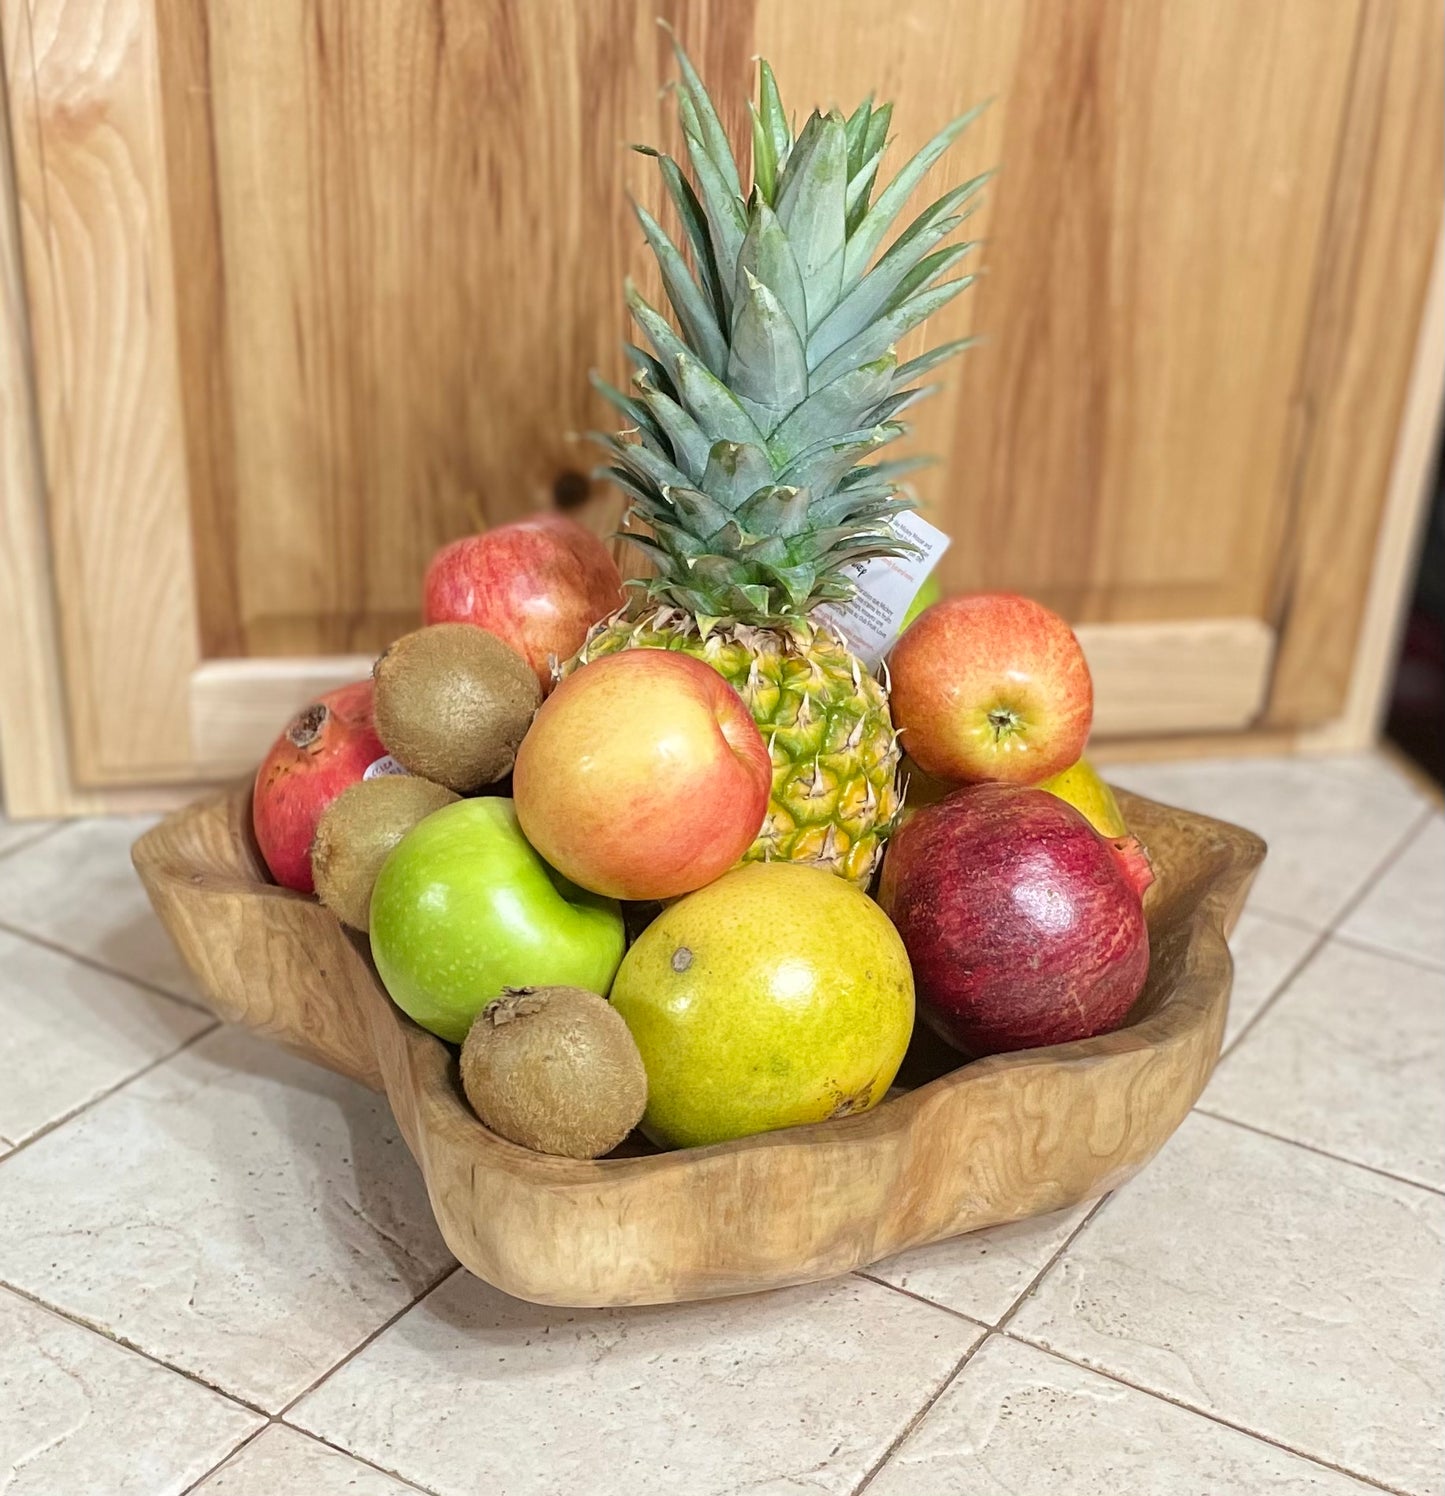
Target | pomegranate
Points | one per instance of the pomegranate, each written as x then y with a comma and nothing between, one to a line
1023,926
326,746
538,585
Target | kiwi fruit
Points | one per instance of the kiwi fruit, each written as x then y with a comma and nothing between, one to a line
554,1069
357,831
453,703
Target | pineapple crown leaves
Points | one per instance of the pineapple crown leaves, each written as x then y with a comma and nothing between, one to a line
755,415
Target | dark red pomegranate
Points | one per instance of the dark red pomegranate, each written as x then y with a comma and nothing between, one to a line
1020,920
326,746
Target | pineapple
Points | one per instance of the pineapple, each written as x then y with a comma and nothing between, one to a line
751,424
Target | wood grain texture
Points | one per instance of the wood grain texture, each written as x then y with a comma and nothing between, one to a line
93,208
34,735
998,1140
414,223
239,706
315,287
1397,544
1113,448
1381,231
1200,675
412,220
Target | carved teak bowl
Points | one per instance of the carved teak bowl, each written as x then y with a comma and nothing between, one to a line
957,1147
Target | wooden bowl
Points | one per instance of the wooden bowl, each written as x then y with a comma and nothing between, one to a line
955,1150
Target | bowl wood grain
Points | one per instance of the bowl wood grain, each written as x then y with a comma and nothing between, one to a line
957,1147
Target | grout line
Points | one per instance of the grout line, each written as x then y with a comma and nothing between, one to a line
1238,1428
1390,953
1338,1158
276,1422
1343,913
957,1371
1396,852
1276,992
918,1298
871,1474
120,1085
1279,917
1007,1317
120,1340
1008,1313
111,971
362,1344
226,1459
361,1459
25,844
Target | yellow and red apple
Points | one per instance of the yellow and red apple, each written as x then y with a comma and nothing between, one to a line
538,585
643,776
992,686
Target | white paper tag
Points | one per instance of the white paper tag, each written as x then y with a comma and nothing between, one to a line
379,766
887,585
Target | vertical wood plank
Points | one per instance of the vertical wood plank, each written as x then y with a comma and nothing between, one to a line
1384,220
418,231
419,234
1397,545
34,735
91,193
1165,174
203,325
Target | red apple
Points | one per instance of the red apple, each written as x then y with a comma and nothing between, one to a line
1022,926
326,747
992,686
643,776
538,585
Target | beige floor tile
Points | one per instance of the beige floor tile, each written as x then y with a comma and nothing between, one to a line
1020,1421
69,1032
82,1416
16,834
796,1391
1349,1060
236,1212
77,888
1330,823
1289,1293
1405,911
1265,951
281,1462
983,1273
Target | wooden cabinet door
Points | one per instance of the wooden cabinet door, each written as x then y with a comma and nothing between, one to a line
312,287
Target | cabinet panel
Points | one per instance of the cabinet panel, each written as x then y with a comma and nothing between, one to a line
1380,239
422,230
91,198
420,217
315,286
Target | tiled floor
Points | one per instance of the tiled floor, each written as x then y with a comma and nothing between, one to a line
218,1273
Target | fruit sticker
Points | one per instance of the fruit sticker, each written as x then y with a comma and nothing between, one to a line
873,618
386,764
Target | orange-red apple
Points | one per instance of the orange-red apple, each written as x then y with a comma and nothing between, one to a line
643,776
992,686
538,585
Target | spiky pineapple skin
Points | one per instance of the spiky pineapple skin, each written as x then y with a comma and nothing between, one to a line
825,720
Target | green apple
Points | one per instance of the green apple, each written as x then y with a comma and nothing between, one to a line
464,907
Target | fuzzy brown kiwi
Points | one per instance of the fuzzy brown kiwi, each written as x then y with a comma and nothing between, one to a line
357,831
453,703
555,1070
